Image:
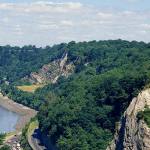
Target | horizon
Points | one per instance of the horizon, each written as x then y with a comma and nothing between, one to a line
50,22
44,46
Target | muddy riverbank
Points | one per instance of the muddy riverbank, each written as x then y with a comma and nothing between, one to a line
24,112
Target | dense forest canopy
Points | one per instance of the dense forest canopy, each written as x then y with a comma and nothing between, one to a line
16,62
80,112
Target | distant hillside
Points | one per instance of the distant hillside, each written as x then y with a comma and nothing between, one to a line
49,73
16,62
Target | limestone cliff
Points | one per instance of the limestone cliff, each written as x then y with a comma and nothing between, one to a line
52,71
133,134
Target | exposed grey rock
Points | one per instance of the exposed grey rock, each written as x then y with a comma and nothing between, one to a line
133,134
52,71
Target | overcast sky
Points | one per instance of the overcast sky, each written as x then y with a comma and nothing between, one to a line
24,22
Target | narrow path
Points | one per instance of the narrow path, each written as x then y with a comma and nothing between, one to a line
34,136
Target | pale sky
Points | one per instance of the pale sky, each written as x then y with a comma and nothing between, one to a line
48,22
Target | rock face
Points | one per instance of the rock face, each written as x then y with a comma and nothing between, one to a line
133,134
52,71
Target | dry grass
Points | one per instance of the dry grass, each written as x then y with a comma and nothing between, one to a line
30,88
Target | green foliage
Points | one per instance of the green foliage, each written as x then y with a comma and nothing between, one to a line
2,137
82,140
25,98
5,148
24,138
145,115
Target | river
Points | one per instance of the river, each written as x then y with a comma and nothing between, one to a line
8,120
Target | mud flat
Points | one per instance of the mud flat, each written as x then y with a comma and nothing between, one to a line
24,112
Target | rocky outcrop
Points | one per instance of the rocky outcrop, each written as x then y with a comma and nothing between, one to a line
52,71
133,134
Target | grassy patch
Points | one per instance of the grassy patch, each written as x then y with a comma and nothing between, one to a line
145,115
32,126
30,88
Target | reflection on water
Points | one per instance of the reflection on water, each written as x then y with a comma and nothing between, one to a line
8,120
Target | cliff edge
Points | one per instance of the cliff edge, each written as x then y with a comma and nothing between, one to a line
132,133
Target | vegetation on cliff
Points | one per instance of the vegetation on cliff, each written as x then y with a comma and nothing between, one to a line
28,131
5,148
145,115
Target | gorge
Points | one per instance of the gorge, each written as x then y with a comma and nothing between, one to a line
82,89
